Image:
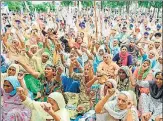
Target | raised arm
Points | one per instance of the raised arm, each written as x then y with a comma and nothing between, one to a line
28,69
100,105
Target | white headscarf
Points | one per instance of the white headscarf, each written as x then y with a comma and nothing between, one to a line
114,83
62,112
17,68
114,110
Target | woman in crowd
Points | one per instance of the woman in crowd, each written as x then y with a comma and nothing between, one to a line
54,109
152,103
12,109
107,67
108,92
121,108
12,70
123,58
125,79
98,58
50,80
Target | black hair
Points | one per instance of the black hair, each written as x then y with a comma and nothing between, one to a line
147,61
158,34
123,46
52,66
157,73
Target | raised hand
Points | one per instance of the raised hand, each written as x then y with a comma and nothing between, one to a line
47,107
110,92
146,116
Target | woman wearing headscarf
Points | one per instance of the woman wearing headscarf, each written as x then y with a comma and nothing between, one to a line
146,72
14,49
12,70
123,58
151,56
152,103
108,92
159,65
12,109
54,109
158,46
125,80
121,108
107,67
151,47
33,84
86,79
49,81
98,58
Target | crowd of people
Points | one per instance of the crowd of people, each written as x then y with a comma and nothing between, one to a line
69,66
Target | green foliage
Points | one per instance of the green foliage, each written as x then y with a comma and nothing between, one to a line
113,4
67,3
14,5
148,4
86,4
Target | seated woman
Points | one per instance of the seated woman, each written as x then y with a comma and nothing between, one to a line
41,111
123,58
121,108
50,80
152,103
125,79
151,56
98,58
146,74
86,81
108,92
12,70
12,109
107,67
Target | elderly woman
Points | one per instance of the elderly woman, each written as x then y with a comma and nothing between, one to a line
121,108
151,56
125,79
33,83
86,81
152,103
12,70
108,92
123,58
12,109
107,67
14,49
146,72
54,109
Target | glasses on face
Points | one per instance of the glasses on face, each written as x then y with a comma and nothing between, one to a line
11,69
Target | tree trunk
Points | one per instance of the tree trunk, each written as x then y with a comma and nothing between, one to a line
120,11
158,12
101,5
53,2
128,7
153,12
78,4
